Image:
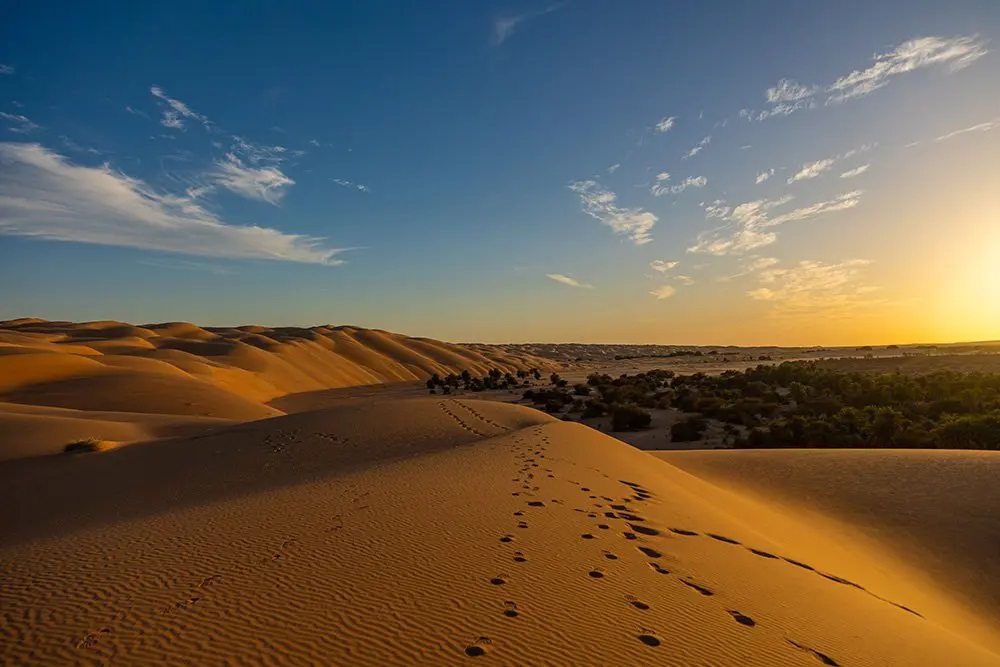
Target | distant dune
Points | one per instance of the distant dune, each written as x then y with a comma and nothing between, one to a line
435,531
124,382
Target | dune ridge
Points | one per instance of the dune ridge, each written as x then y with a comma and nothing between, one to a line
435,531
174,375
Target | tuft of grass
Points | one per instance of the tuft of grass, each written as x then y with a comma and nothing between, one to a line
86,445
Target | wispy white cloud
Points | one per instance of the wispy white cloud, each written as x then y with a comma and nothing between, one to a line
684,280
809,286
613,168
662,265
857,171
789,96
251,170
981,127
264,183
664,291
77,148
136,112
600,204
6,70
44,196
314,142
750,265
660,188
568,280
811,170
699,147
349,184
175,111
20,124
504,27
750,225
666,124
763,176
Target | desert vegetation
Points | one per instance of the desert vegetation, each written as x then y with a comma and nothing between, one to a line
494,379
796,404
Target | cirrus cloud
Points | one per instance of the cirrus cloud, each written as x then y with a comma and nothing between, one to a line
568,280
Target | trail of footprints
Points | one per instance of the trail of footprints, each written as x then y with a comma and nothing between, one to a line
634,529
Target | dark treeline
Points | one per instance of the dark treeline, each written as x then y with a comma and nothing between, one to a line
798,404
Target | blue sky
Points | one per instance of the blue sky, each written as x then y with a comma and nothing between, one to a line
596,171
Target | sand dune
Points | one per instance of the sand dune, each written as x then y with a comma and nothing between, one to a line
933,513
439,531
181,370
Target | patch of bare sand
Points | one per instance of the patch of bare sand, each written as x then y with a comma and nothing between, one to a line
931,516
431,531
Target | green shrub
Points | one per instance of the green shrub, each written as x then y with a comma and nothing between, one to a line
689,429
629,418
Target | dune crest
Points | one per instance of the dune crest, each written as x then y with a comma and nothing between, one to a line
175,375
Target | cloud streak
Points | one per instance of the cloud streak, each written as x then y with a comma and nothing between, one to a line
665,125
981,127
600,204
175,111
808,286
504,27
20,124
811,170
662,266
857,171
664,292
789,96
44,196
568,280
660,188
699,147
751,225
344,183
763,176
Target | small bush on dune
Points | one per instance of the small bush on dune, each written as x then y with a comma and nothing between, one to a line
84,446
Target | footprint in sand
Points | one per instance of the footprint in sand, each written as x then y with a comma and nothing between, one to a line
479,648
507,538
698,587
822,657
610,556
520,557
596,573
649,639
587,536
498,581
510,609
630,536
762,554
638,604
644,530
652,553
522,524
742,619
682,531
722,538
